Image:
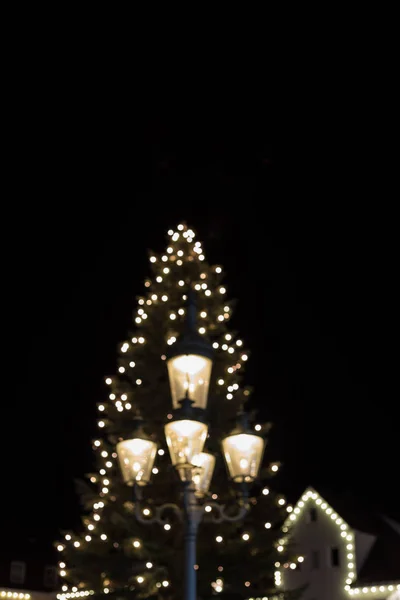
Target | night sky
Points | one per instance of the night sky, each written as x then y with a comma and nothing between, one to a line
296,212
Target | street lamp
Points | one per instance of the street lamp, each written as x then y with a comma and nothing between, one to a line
189,369
243,451
189,363
136,455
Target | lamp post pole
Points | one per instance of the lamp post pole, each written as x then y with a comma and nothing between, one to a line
192,515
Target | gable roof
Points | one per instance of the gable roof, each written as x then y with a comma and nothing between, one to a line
382,565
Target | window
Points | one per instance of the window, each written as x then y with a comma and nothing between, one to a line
335,557
50,577
315,559
313,515
17,572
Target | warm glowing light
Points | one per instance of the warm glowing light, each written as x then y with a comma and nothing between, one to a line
136,544
185,439
136,459
189,373
245,537
167,526
108,381
219,539
202,477
243,453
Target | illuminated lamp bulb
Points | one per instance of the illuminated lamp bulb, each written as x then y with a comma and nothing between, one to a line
153,259
164,258
267,525
245,537
159,279
219,539
166,270
121,369
207,293
108,381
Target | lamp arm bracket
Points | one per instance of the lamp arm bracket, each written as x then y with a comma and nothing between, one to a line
219,514
160,513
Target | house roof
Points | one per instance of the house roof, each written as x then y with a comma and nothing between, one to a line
383,561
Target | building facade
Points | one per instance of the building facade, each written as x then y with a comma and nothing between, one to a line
343,554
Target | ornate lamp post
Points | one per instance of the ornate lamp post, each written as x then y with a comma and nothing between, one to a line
189,369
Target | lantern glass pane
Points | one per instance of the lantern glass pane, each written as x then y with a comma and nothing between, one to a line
136,459
185,439
189,373
203,475
243,453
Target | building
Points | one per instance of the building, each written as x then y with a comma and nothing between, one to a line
344,553
28,571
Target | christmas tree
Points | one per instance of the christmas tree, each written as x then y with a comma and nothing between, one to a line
116,554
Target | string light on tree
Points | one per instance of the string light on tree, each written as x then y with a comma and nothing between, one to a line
140,383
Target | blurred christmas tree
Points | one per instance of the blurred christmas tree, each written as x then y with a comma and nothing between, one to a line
116,555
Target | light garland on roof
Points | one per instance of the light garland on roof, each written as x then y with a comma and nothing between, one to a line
13,594
347,535
75,594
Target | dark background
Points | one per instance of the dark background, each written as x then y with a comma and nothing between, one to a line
298,207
